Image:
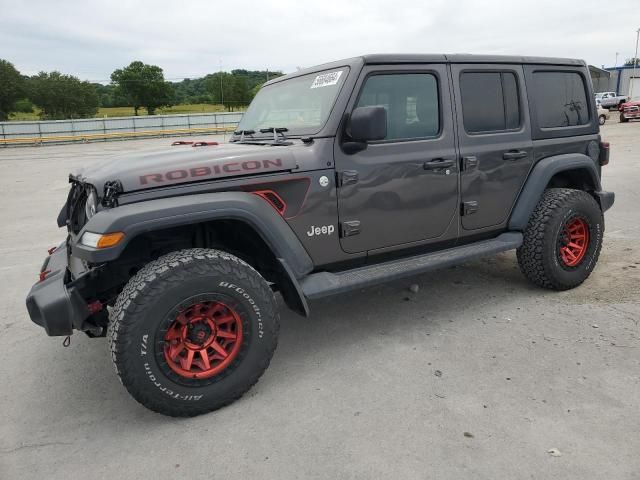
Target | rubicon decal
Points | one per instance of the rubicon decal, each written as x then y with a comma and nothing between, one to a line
226,169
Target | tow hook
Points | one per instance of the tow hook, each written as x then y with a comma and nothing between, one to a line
95,306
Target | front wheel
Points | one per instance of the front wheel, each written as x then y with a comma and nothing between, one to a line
562,240
623,119
192,331
602,119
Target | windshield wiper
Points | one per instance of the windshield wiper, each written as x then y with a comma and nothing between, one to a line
242,133
276,131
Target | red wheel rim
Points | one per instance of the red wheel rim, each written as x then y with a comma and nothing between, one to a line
203,340
574,241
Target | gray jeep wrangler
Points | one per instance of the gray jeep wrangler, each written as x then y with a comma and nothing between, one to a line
339,177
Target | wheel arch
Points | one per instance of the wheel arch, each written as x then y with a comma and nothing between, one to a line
575,171
253,229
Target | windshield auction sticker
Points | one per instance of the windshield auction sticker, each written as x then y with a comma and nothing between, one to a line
326,79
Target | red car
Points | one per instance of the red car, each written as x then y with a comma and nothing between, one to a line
629,111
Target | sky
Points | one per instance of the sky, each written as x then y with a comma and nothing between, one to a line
191,38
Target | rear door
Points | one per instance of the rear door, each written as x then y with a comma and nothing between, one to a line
402,189
495,142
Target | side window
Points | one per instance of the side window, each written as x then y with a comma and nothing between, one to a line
490,101
561,99
411,101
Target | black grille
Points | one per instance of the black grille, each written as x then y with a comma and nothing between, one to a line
76,202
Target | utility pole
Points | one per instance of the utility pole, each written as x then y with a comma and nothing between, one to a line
635,64
221,89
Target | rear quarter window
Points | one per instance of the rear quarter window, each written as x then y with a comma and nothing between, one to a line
561,99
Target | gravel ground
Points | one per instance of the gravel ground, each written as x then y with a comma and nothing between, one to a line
476,375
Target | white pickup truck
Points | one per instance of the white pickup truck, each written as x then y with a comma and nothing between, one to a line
610,99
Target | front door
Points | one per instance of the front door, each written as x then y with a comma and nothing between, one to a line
403,189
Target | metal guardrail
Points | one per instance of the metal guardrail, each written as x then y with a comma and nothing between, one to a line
115,128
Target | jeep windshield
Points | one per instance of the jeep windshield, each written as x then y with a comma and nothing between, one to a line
300,104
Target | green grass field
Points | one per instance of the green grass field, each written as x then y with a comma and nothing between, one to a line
128,111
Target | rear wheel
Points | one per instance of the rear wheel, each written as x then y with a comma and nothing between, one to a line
562,240
193,331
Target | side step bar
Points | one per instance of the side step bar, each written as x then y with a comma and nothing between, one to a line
323,284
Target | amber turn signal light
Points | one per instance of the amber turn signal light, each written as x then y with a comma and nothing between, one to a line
101,240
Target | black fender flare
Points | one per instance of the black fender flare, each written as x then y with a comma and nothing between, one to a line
138,218
539,178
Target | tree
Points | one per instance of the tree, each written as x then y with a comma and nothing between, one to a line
23,106
11,88
232,91
108,96
254,91
62,96
239,91
630,61
217,85
143,86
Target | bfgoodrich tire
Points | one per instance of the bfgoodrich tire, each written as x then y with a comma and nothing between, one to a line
193,331
562,240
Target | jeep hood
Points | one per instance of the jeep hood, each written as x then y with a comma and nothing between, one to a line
184,163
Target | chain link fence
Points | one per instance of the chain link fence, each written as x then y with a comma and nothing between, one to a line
116,128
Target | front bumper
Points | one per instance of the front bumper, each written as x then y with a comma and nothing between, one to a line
54,304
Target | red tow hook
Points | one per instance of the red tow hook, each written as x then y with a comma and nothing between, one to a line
204,144
95,306
51,250
43,275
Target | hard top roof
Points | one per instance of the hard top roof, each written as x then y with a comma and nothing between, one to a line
387,58
417,58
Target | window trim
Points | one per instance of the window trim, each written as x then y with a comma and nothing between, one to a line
437,78
520,101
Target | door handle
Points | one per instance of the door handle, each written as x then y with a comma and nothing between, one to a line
514,155
437,164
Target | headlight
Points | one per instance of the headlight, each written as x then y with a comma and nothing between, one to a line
91,205
101,240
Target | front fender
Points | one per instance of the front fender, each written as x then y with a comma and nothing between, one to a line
539,178
138,218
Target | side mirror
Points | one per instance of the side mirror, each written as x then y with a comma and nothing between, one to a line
368,124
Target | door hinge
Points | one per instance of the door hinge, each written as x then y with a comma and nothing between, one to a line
350,228
469,208
347,177
469,163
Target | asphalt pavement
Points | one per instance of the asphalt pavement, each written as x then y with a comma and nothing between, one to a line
477,374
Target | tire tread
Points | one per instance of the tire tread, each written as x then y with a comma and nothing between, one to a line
531,254
149,282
